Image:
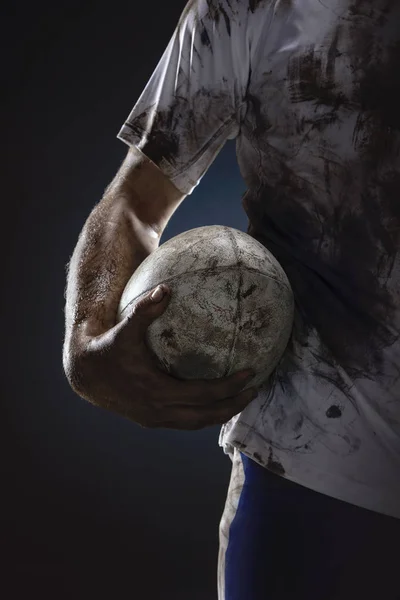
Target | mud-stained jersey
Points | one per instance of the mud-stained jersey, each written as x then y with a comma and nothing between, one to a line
310,90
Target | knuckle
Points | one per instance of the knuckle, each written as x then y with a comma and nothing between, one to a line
141,304
137,307
134,312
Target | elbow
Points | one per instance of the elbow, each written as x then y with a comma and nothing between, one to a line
73,370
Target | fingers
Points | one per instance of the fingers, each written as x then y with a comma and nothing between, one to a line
196,392
132,332
141,313
193,418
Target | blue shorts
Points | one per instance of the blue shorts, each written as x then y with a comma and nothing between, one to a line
287,542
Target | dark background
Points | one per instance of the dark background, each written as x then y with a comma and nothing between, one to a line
91,504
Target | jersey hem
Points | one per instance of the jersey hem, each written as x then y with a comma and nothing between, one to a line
385,501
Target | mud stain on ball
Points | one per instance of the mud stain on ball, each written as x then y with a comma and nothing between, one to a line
169,337
248,292
194,365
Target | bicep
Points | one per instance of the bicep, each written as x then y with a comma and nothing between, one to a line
150,195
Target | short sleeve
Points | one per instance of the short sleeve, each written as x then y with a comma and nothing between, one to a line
195,99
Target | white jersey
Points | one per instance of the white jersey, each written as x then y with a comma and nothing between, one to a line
310,90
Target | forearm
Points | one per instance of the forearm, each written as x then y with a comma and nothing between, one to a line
112,244
122,230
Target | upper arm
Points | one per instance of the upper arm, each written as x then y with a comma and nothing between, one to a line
196,97
150,194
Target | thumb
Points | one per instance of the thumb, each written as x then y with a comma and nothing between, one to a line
144,311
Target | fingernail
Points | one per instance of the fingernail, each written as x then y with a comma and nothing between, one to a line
158,294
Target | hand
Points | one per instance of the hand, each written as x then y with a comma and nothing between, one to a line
117,371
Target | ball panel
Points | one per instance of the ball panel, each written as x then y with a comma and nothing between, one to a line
198,324
264,324
252,254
